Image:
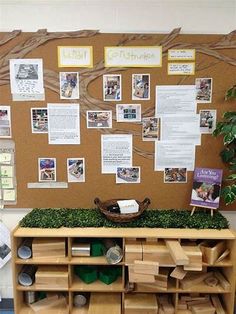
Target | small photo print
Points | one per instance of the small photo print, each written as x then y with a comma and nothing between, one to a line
203,90
128,175
5,121
150,129
128,113
69,85
47,169
75,169
99,119
207,121
175,175
39,120
141,86
26,71
112,87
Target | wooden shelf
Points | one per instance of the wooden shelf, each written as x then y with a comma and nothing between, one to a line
89,260
42,261
101,292
25,309
34,287
226,234
79,285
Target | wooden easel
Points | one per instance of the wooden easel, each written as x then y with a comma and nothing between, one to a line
194,208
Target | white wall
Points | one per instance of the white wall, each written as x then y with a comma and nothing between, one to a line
202,16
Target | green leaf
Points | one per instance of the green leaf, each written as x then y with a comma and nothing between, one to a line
228,138
227,154
226,190
226,128
229,114
231,177
229,198
233,188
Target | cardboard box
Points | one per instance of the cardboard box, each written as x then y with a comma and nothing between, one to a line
140,303
52,277
48,247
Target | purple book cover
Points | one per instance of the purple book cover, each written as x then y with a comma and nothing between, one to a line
206,187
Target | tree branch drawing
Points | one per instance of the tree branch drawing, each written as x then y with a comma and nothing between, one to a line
87,76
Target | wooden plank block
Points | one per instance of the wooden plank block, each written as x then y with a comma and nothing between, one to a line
217,304
195,257
144,278
158,252
146,267
133,251
203,309
178,273
193,279
140,303
43,306
48,247
223,281
105,303
177,252
52,276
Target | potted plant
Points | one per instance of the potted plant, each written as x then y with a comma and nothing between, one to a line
227,128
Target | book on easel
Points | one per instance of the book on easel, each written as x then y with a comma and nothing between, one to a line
206,188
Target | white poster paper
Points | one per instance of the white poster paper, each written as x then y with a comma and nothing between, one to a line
63,124
116,152
172,99
173,155
26,76
181,129
5,245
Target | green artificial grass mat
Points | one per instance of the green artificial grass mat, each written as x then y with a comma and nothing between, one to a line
152,218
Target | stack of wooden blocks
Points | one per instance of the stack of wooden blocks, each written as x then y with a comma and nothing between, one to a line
197,304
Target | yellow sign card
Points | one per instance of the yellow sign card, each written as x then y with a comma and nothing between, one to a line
75,56
181,68
138,56
6,171
181,54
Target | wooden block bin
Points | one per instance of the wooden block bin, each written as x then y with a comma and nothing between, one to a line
48,247
141,303
133,251
211,250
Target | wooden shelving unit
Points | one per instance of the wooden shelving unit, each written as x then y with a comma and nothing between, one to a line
115,293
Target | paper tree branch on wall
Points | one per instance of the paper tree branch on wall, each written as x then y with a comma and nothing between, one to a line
87,76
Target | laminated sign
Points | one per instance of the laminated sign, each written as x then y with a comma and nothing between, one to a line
5,245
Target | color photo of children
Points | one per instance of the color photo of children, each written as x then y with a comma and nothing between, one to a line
75,169
47,169
112,87
69,85
141,86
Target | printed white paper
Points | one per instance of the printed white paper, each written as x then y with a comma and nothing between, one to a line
116,152
26,76
173,155
63,124
181,129
172,99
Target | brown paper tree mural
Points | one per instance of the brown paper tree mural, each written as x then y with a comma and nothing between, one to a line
87,76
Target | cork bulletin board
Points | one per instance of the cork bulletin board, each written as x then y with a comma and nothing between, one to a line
215,58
